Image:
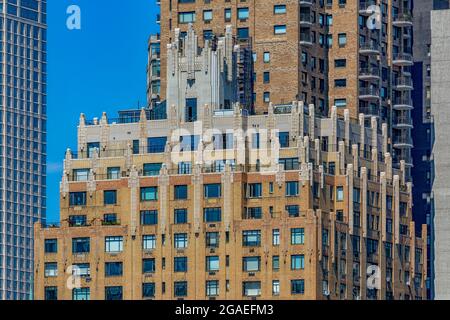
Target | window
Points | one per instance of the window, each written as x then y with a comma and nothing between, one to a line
148,265
251,264
266,57
284,139
180,240
81,294
113,269
276,237
279,9
80,245
340,83
149,242
152,169
114,244
243,33
180,288
266,97
340,103
91,148
212,239
212,214
293,211
207,15
342,38
148,290
212,288
254,190
190,116
156,145
113,293
78,221
149,217
255,141
180,216
77,198
266,77
297,236
243,13
297,262
184,168
110,219
81,270
212,264
340,63
50,269
292,189
253,213
51,293
279,29
227,14
51,246
212,190
251,238
340,194
186,17
113,173
180,264
298,286
80,174
251,288
276,263
181,192
110,197
276,287
149,194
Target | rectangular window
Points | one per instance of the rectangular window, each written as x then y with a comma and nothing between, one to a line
276,263
149,217
78,221
80,174
212,288
207,15
77,198
276,237
80,245
266,57
297,262
113,293
113,269
186,17
180,192
81,294
340,83
180,216
148,290
227,14
212,190
148,265
113,173
114,244
292,189
276,287
180,264
191,114
109,197
279,9
279,29
251,288
243,33
180,240
251,264
51,293
81,269
212,239
51,245
149,242
340,194
254,190
152,169
50,269
293,211
297,236
298,286
340,103
212,214
340,63
243,13
253,213
284,139
149,194
110,219
156,144
251,238
180,288
212,264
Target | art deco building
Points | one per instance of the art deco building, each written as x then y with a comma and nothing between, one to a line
215,203
23,72
352,54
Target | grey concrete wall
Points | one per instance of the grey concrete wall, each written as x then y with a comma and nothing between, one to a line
440,84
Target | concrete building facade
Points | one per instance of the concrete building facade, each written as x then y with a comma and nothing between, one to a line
283,205
440,101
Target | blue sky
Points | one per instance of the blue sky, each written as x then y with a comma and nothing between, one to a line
101,67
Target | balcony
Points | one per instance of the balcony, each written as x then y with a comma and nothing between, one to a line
403,60
365,7
403,122
305,20
369,111
306,39
403,103
404,19
369,74
369,94
404,84
369,49
403,141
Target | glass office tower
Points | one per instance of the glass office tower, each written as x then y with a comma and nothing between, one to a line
22,140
